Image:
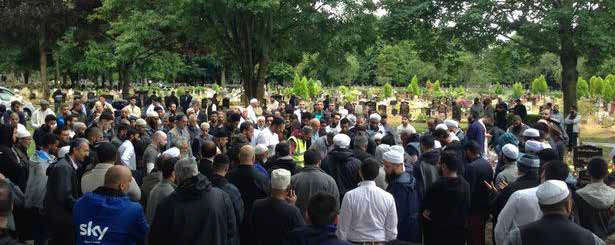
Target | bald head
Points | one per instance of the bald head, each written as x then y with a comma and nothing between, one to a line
160,138
315,124
246,155
118,177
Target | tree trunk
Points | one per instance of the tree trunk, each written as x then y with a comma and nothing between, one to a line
125,80
223,75
259,90
57,63
26,76
568,58
43,66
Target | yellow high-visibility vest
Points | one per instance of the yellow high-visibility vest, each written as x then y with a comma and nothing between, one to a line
300,149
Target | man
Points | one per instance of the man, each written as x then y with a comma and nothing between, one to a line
269,136
522,207
508,162
15,107
555,226
520,110
38,116
517,128
477,108
159,142
272,218
477,172
171,99
193,127
374,126
105,122
242,137
360,143
299,144
221,139
593,202
282,159
95,178
453,128
261,155
252,110
180,132
62,193
184,100
208,152
405,126
341,164
426,170
321,216
334,126
37,180
446,205
47,128
300,110
198,142
132,107
368,214
126,150
221,166
107,216
402,186
7,200
171,111
311,180
478,132
163,189
196,213
251,183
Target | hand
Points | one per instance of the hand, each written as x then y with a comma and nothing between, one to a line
291,198
2,177
490,186
502,184
426,214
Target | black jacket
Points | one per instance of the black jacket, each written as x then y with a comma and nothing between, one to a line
283,162
555,229
233,193
478,171
252,185
62,192
592,208
196,213
315,235
361,154
426,171
341,164
524,182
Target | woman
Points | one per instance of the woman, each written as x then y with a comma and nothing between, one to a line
10,164
572,127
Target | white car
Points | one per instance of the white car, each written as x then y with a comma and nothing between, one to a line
7,96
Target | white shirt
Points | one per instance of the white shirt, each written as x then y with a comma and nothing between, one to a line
257,132
335,130
368,214
38,117
127,155
408,127
522,208
268,138
251,114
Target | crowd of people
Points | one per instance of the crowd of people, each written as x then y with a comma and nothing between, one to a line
288,173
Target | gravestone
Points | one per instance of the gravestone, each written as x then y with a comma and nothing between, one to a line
584,153
404,108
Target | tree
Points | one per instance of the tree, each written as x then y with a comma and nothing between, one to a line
568,28
608,92
582,87
517,90
596,85
539,85
413,87
387,90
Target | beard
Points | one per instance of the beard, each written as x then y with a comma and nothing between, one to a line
391,177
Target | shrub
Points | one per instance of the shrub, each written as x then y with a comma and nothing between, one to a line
314,88
582,88
498,89
216,87
517,90
539,85
387,90
413,87
300,86
436,86
596,84
608,90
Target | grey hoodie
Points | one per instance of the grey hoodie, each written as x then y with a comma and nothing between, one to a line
592,208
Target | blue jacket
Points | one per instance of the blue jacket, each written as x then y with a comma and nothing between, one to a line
407,203
107,216
476,132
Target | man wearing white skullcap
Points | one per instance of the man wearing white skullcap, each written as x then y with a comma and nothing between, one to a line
341,164
555,226
442,126
522,207
276,216
533,146
400,185
507,164
531,133
24,139
172,152
252,110
453,127
378,138
374,126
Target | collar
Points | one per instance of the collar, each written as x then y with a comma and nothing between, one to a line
106,191
367,183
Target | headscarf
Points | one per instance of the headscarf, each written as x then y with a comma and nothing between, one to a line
506,138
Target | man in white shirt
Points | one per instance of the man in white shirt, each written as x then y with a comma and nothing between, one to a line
269,136
127,150
368,213
300,110
405,127
38,116
522,207
251,110
334,127
133,109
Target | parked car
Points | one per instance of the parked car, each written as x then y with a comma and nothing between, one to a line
7,96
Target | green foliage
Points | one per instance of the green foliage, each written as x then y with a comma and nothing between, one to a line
539,85
498,89
314,88
300,87
387,90
582,87
517,90
608,92
436,86
216,87
413,87
596,85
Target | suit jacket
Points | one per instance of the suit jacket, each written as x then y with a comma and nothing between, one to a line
62,193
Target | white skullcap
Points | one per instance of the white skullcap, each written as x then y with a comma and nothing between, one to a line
140,122
253,100
190,110
442,126
380,150
437,144
22,132
63,151
280,179
398,148
612,154
205,125
341,140
454,137
552,192
152,114
260,118
451,123
531,132
375,116
394,157
543,121
172,152
378,136
533,146
510,151
260,149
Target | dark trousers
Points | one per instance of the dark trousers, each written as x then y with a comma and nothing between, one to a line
39,231
476,231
